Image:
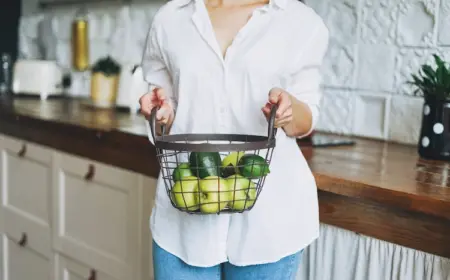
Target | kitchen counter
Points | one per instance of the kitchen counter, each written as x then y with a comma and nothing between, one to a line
374,188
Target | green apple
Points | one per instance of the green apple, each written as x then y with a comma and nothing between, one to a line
182,170
243,192
185,193
214,194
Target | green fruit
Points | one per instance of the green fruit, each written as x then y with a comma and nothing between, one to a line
230,162
243,192
184,193
253,166
214,194
181,171
204,164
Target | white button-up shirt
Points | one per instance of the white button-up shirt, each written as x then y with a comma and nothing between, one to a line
282,45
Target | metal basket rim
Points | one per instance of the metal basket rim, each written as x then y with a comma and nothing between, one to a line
177,142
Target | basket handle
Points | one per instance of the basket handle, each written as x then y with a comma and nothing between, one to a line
152,122
272,131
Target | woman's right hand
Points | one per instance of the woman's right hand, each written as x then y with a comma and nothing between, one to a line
157,98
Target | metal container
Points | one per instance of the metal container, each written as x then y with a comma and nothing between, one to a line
204,194
80,44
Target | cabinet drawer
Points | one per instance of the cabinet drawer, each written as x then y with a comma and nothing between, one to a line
68,269
96,210
21,262
26,172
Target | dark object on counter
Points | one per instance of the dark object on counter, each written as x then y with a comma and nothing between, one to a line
434,142
10,13
323,140
434,85
5,73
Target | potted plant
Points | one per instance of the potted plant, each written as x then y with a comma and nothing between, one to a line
434,85
104,82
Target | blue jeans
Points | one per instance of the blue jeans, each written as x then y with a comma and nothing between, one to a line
169,267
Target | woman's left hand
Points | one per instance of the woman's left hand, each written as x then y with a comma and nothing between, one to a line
283,100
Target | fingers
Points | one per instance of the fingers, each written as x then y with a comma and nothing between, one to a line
284,119
284,112
164,113
155,98
145,103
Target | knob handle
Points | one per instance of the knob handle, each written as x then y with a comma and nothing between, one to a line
91,172
93,275
23,240
22,151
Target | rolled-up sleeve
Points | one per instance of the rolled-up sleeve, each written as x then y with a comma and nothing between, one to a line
153,65
154,69
304,77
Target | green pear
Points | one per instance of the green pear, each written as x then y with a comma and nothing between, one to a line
243,192
214,194
185,193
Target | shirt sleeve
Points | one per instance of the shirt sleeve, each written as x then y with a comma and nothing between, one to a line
155,71
304,78
154,67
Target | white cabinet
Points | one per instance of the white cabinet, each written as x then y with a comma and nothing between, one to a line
63,217
96,214
22,262
68,269
26,178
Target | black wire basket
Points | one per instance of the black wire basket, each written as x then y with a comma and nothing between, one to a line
214,173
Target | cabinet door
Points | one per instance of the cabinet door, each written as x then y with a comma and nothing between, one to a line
21,262
68,269
145,247
26,175
95,215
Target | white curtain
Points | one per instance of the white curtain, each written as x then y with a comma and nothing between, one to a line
344,255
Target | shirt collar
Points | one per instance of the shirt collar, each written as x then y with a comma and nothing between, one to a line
278,3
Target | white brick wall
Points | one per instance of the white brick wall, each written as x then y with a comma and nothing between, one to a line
374,46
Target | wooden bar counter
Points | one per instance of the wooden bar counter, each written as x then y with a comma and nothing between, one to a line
378,189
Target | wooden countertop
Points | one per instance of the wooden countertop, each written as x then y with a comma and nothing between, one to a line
374,188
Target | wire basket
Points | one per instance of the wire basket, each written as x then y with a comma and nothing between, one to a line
214,173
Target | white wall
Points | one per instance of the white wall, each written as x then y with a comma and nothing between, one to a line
375,45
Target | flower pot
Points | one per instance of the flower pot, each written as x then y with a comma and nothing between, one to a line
434,142
104,90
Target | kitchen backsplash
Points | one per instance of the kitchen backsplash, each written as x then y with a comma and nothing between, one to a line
374,46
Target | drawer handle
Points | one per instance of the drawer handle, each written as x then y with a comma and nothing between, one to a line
22,151
93,275
23,240
90,174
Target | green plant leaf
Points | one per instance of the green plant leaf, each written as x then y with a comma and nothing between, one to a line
429,72
438,60
432,82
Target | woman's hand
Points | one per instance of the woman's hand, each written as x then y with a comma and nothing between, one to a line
157,98
280,97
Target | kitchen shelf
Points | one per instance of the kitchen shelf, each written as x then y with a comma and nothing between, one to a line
61,3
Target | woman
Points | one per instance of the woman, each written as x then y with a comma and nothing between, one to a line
216,66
